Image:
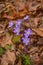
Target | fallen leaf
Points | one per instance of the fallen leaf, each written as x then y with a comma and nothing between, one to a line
38,31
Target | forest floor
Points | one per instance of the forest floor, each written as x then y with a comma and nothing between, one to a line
21,32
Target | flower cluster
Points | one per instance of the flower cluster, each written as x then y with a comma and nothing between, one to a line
17,27
27,33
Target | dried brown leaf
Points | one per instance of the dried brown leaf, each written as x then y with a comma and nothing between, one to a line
38,31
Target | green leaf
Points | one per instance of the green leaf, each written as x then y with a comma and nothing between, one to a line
8,46
16,38
26,60
1,50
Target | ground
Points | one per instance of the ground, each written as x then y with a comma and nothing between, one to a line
21,32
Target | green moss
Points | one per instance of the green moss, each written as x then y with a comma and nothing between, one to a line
16,39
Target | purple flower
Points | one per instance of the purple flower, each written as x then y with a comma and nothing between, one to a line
17,30
26,40
11,24
18,22
26,17
27,32
17,27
